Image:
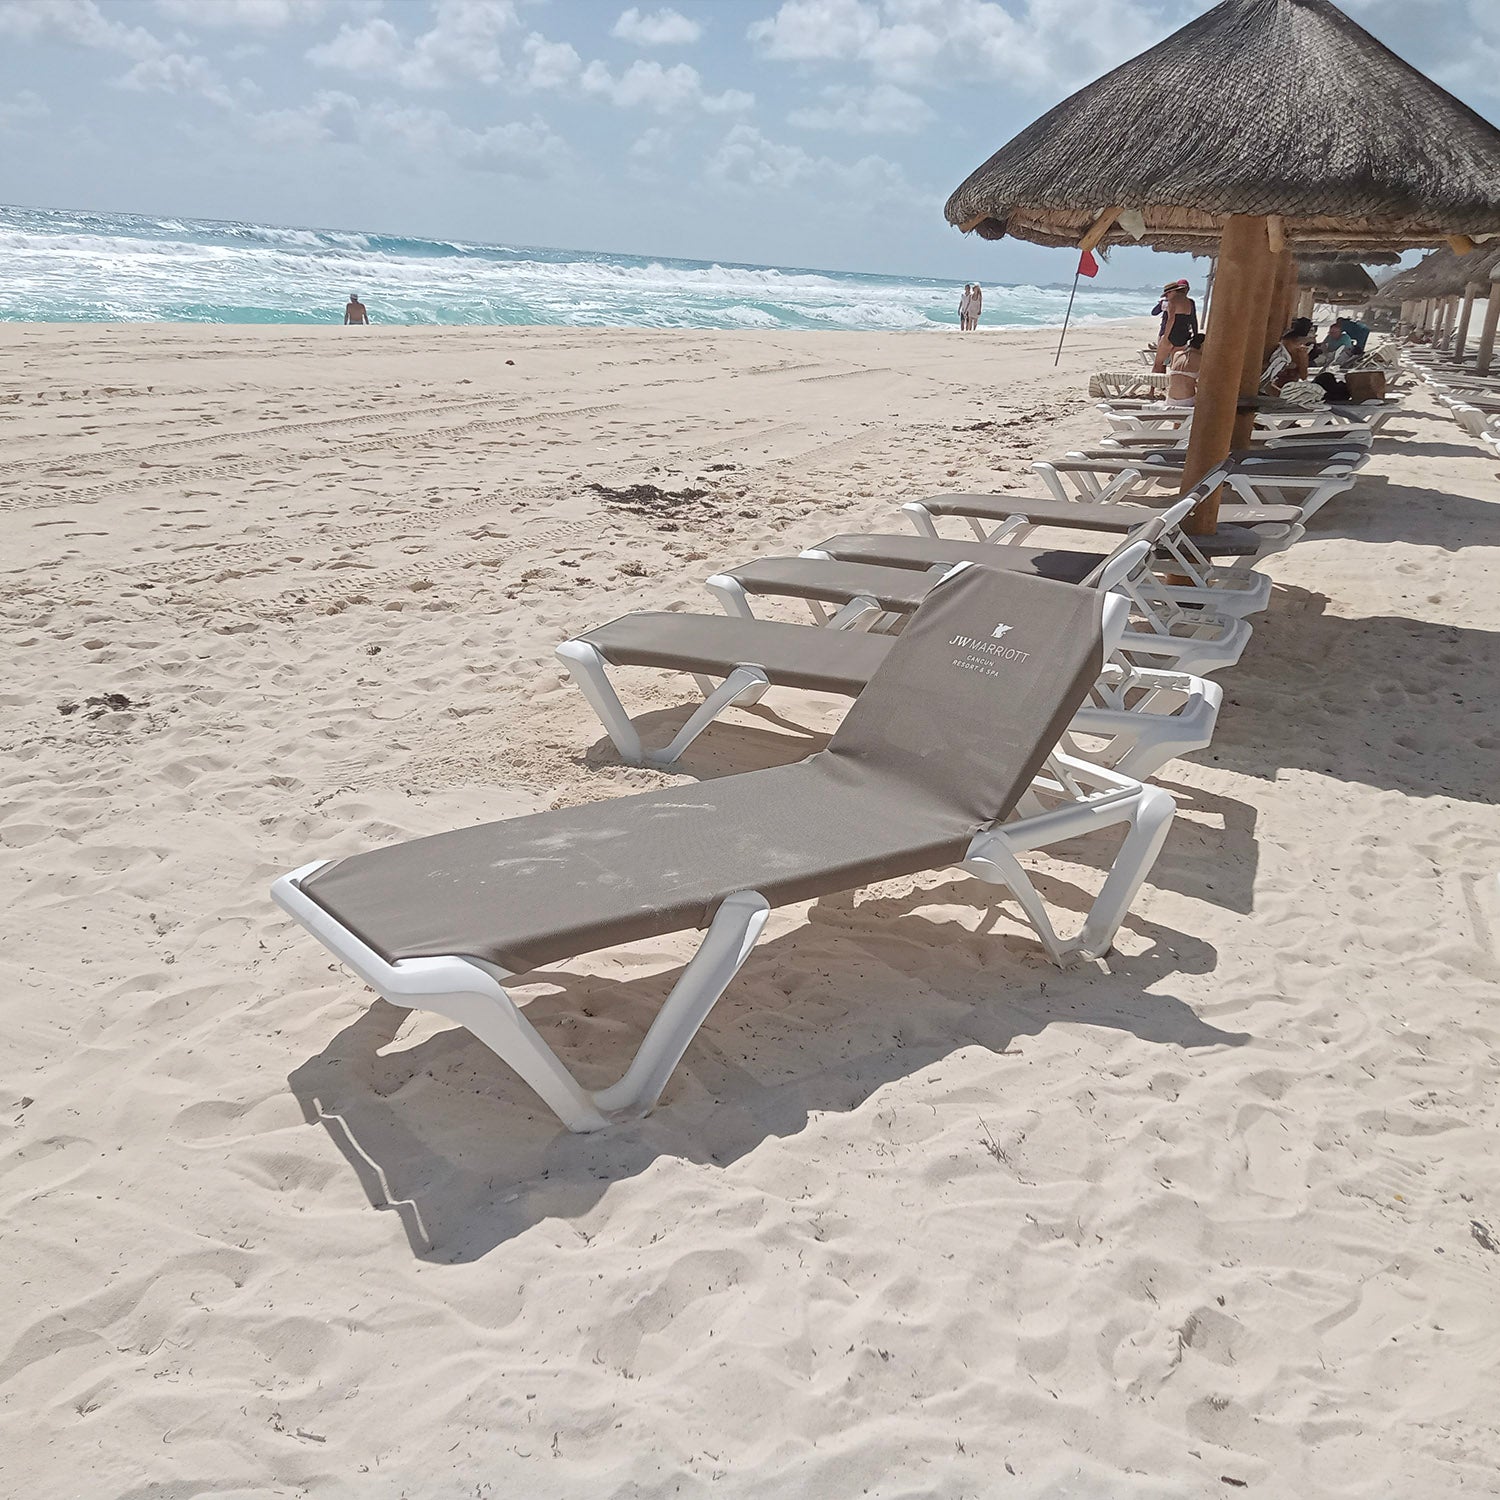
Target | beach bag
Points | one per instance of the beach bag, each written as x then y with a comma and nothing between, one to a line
1366,385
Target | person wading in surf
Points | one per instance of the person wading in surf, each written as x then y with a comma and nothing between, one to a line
356,311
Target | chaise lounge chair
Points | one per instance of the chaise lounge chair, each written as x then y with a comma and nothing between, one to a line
1276,496
1013,518
1136,718
948,758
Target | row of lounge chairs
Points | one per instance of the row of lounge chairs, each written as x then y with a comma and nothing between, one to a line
1006,697
1472,398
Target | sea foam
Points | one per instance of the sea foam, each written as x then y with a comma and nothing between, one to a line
77,266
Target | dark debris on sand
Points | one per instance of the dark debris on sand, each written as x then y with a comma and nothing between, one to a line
668,508
105,703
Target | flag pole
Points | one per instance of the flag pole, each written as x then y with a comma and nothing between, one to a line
1067,315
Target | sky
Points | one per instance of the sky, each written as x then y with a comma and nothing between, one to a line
821,133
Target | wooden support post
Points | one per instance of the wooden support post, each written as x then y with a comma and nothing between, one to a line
1444,321
1241,285
1282,271
1461,338
1486,351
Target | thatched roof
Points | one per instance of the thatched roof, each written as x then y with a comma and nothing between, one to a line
1336,281
1264,107
1441,274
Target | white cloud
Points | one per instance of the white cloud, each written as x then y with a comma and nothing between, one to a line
648,85
817,30
21,107
521,148
662,28
883,109
81,23
1040,45
462,43
374,48
650,143
749,162
173,73
549,65
257,15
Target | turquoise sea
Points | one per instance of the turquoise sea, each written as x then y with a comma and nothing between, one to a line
63,265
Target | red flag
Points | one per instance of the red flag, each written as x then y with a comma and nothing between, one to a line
1087,265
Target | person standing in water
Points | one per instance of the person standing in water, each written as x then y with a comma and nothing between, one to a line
976,305
355,312
963,308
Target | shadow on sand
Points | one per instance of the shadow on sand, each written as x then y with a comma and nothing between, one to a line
865,992
871,990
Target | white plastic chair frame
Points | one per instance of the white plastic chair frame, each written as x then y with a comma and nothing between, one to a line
1255,481
1175,713
1071,798
1228,590
1194,639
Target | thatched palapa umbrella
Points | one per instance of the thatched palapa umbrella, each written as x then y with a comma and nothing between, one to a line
1444,286
1260,126
1340,283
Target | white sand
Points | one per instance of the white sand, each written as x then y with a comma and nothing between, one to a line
919,1215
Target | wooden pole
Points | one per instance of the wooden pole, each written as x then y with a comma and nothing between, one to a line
1461,338
1486,350
1278,304
1240,289
1293,291
1444,321
1255,357
1208,292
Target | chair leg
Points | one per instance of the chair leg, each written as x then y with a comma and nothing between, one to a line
736,688
586,667
920,518
745,685
731,595
1149,812
472,995
725,947
1149,826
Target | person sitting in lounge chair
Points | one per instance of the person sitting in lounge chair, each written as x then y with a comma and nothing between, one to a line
1288,360
1182,372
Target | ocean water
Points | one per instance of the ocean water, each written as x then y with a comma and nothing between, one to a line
60,265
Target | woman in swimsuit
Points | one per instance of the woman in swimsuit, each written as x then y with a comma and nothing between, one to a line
1182,373
1179,322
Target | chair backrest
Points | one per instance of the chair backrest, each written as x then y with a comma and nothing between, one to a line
1176,513
974,694
1128,558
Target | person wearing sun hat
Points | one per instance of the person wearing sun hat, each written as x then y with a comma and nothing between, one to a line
1179,322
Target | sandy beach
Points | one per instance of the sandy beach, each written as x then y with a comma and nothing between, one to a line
919,1215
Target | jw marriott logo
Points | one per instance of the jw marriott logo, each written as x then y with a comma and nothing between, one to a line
991,648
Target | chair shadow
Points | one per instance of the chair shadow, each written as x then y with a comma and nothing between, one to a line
1379,509
1385,701
867,991
731,744
1430,448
